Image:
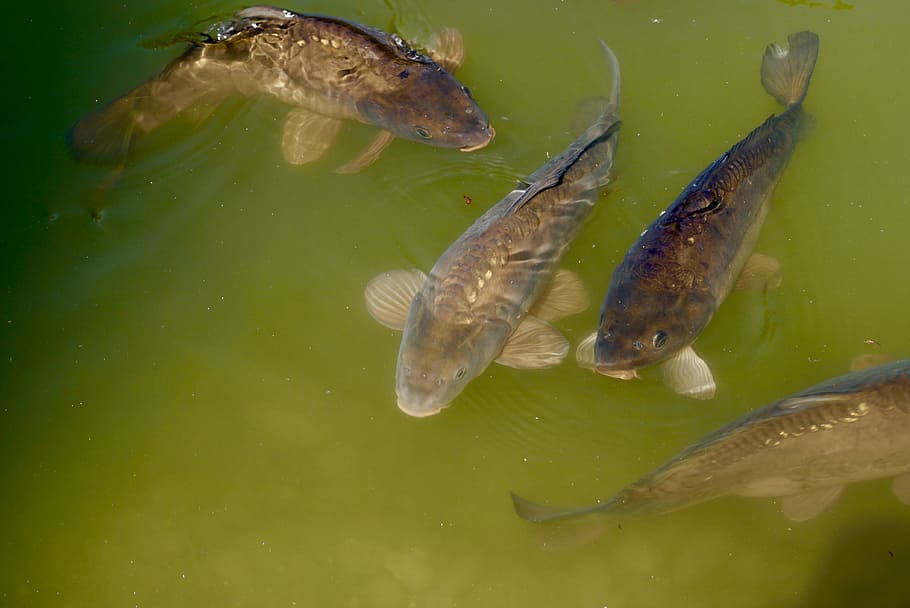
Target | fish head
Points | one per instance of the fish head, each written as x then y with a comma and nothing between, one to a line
420,101
439,356
639,328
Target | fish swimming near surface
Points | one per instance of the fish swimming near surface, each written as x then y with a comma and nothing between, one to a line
328,69
491,294
804,448
683,266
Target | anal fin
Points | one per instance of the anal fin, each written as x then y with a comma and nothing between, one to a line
802,507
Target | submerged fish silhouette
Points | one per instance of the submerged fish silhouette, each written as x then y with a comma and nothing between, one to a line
487,298
804,448
684,265
329,69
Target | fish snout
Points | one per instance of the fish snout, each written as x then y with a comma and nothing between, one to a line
420,394
417,407
477,146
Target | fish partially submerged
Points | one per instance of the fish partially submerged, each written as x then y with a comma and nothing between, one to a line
328,69
676,275
490,295
804,448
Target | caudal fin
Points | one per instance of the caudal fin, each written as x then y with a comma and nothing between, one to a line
533,511
107,134
785,72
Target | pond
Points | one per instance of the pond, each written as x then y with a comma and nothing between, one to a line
197,408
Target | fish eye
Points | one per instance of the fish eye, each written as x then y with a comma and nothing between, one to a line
460,373
660,339
637,345
422,133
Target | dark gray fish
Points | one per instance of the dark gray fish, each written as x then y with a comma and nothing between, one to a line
804,448
328,69
684,265
490,295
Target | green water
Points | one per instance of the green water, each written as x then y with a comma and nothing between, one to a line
196,409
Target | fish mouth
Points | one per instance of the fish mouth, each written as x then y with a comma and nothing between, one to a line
419,411
622,374
481,144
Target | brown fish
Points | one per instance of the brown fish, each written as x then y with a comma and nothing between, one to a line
328,69
492,292
676,275
804,448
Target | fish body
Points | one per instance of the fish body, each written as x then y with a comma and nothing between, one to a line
474,305
683,266
804,448
327,68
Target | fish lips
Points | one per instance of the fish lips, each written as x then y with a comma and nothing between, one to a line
419,409
442,130
482,144
610,360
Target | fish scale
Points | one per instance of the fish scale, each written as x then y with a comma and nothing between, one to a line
675,276
326,68
472,307
803,448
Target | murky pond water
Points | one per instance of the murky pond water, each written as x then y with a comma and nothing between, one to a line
198,410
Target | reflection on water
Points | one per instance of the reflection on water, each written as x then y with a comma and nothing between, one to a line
197,408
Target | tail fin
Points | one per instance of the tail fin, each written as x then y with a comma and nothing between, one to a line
587,162
785,72
107,135
533,511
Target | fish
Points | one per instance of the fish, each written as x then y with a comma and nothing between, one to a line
326,68
682,267
803,449
493,292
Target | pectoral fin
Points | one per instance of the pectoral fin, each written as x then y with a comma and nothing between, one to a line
584,352
688,374
307,136
534,344
446,47
369,154
801,507
760,273
565,295
901,488
388,296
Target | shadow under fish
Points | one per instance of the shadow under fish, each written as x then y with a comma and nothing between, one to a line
804,449
491,294
675,276
329,69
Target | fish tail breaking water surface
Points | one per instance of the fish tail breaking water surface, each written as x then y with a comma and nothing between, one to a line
785,72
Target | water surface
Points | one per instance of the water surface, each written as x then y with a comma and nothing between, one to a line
197,410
